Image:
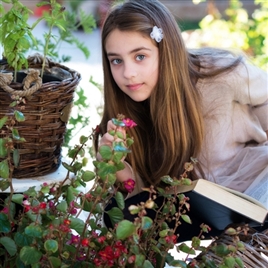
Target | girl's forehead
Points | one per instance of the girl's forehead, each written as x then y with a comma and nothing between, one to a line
130,39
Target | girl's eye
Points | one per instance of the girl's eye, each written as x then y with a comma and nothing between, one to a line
116,61
140,57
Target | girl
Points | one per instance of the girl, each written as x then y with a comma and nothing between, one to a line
208,104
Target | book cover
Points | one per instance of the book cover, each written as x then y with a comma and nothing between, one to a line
219,206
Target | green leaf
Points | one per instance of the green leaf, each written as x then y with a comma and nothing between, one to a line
17,198
4,169
83,139
164,233
196,242
186,249
3,148
16,157
4,184
106,169
56,262
62,206
3,120
146,223
239,262
78,225
19,116
77,166
5,226
88,176
186,218
30,255
147,264
51,245
120,200
70,194
13,104
68,167
87,205
111,179
119,134
9,245
221,250
125,229
129,142
115,214
21,239
229,261
118,157
105,152
34,231
15,134
31,192
178,263
139,260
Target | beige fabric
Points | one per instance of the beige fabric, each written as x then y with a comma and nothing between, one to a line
235,108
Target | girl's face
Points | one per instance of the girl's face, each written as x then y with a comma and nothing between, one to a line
134,60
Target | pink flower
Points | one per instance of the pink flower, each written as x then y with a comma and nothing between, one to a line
85,242
129,185
74,240
101,239
97,262
171,239
51,204
129,123
131,259
27,205
4,210
42,205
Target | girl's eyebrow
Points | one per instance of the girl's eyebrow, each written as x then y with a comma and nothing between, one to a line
131,52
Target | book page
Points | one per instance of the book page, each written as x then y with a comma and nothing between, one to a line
259,188
261,201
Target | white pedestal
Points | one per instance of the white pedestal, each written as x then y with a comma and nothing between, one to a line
21,185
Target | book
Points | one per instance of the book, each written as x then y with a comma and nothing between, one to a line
219,206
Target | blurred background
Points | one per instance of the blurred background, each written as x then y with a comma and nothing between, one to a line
237,25
241,26
232,24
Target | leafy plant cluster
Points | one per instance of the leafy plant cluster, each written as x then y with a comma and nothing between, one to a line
44,227
237,29
17,37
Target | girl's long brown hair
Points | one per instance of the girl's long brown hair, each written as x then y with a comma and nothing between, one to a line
170,124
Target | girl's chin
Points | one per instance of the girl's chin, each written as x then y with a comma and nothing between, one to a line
140,99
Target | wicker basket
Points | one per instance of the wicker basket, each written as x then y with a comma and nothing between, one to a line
256,248
46,114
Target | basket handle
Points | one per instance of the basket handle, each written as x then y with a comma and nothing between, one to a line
28,90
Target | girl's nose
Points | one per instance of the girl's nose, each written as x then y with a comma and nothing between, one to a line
129,71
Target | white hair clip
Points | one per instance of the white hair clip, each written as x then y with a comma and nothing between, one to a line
157,34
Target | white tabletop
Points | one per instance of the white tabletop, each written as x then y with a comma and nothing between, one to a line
21,185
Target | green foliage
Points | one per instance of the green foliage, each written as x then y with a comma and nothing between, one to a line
17,38
237,30
48,231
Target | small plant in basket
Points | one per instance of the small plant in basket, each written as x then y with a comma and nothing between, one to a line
17,36
47,86
60,224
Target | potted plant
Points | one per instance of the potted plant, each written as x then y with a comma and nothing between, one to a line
60,224
40,80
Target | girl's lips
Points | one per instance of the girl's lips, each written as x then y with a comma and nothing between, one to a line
134,86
